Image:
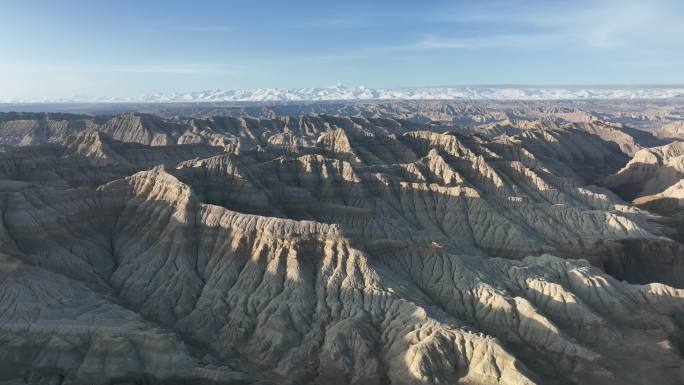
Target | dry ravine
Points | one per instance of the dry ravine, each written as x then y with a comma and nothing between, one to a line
334,249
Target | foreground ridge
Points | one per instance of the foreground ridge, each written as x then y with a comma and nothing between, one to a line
320,249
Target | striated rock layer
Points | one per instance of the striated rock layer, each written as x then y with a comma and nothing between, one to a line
342,252
650,171
654,180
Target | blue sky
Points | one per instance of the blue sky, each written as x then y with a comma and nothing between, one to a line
61,48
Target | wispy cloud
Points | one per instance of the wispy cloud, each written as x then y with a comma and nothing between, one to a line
492,41
204,28
637,27
436,42
180,69
529,25
596,23
335,23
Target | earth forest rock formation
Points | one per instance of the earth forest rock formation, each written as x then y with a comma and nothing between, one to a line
381,243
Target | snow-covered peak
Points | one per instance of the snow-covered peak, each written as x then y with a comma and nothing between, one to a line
343,93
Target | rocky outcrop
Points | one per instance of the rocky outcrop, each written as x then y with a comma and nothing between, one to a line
21,129
670,199
52,327
331,250
303,301
650,171
90,158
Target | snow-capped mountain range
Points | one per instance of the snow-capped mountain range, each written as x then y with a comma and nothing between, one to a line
341,92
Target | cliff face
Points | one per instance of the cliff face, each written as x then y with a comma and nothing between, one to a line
650,171
329,250
21,129
654,180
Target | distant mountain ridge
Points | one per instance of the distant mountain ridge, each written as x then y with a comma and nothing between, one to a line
341,92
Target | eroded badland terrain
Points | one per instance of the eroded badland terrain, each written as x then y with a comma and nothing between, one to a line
344,243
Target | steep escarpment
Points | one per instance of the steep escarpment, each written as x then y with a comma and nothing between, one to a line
90,158
21,129
302,301
52,326
332,250
464,193
650,171
652,179
250,132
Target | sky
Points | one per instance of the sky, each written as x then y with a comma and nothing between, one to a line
87,48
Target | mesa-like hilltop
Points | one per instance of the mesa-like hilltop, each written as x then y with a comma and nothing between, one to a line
392,243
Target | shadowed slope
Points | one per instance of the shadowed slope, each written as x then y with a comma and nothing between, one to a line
333,250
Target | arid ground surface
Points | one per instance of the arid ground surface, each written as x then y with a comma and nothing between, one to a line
474,242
